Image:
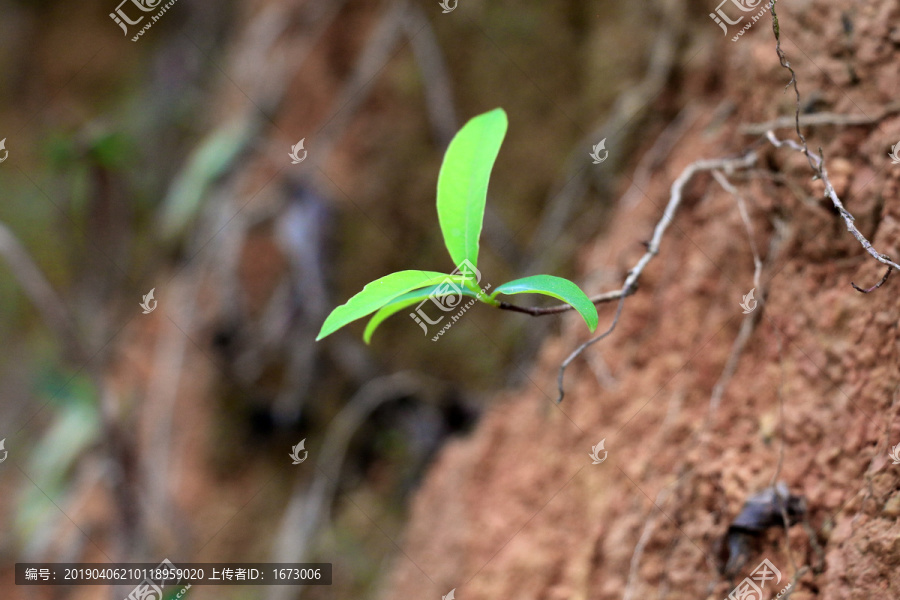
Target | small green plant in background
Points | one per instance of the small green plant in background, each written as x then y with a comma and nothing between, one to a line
461,197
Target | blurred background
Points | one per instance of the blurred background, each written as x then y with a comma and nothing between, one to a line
163,164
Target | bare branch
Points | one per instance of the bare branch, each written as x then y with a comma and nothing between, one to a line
583,347
435,77
781,450
537,311
819,119
646,534
725,164
55,314
728,165
782,58
876,286
817,163
750,320
619,128
309,507
745,217
630,286
380,47
660,150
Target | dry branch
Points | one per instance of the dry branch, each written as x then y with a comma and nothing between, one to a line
309,507
819,119
817,163
630,286
750,320
51,307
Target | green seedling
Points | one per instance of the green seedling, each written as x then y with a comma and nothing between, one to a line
461,197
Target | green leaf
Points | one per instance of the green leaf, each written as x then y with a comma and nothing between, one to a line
211,160
463,183
378,293
557,287
404,301
73,427
110,149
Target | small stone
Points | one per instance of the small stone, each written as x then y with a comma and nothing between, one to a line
892,507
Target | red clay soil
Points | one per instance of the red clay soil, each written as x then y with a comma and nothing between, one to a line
517,510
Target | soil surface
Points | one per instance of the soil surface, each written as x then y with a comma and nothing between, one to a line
517,510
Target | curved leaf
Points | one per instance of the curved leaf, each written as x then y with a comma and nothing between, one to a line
375,295
404,301
463,183
212,159
557,287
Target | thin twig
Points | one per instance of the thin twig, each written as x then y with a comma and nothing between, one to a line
627,115
602,372
737,349
160,405
433,69
876,286
817,162
797,575
750,321
780,396
631,281
748,225
819,119
876,458
646,534
309,507
51,307
782,58
824,176
583,347
658,152
727,164
537,311
781,454
382,45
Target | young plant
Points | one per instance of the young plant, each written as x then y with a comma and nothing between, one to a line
461,197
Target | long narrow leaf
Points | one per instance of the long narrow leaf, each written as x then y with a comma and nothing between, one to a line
463,183
376,294
557,287
212,159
